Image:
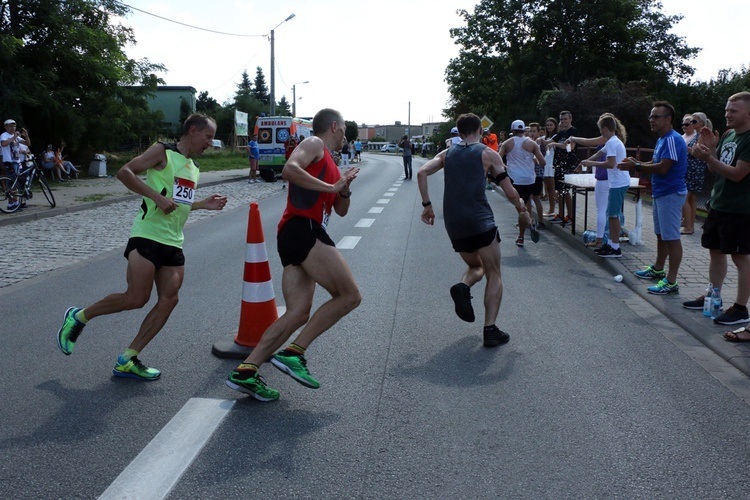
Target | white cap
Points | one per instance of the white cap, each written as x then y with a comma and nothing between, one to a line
454,130
518,125
9,122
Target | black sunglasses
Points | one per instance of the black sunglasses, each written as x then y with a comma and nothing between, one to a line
686,124
694,122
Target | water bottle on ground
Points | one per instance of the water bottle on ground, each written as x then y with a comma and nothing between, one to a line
707,301
715,304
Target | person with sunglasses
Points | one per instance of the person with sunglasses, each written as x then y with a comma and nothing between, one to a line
688,131
695,175
667,168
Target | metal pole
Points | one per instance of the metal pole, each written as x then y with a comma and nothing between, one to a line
273,79
294,100
408,122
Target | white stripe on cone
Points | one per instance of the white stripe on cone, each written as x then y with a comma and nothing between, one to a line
255,253
257,292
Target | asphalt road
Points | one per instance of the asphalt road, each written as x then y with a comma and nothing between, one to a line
593,397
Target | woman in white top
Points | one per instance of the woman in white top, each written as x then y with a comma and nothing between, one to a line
550,129
619,181
601,187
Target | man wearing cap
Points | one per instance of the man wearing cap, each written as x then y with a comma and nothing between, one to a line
454,138
10,141
520,152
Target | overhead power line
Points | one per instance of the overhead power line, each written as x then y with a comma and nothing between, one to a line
189,25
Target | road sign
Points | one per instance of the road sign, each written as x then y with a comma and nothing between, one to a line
486,122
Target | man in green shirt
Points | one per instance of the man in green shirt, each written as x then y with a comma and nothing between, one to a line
154,250
725,231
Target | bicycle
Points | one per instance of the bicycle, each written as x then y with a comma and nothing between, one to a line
19,186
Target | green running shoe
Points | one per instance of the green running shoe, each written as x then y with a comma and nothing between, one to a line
664,287
69,331
253,385
133,368
650,274
295,367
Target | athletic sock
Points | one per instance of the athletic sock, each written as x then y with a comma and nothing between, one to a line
81,317
614,245
294,350
247,367
129,353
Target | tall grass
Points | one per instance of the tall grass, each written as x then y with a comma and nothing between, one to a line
210,161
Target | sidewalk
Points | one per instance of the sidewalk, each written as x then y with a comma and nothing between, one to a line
692,276
91,192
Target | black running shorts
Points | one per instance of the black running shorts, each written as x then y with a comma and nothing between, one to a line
296,239
726,232
157,253
475,242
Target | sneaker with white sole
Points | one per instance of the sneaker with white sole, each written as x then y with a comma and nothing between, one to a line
732,316
664,287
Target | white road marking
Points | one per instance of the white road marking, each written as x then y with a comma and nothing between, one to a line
348,242
375,210
156,469
392,189
364,223
382,201
389,194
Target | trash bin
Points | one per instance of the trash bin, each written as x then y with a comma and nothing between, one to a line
98,166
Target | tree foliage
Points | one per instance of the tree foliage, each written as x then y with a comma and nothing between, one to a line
513,50
283,107
710,97
352,131
630,102
260,89
64,74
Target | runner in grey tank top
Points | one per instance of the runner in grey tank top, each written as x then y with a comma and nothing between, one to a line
465,207
469,220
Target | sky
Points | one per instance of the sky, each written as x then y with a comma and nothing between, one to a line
376,62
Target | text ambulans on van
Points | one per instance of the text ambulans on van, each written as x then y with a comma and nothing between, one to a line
273,134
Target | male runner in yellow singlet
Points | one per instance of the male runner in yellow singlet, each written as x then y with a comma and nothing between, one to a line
154,250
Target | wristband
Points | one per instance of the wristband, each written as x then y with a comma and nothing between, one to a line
426,203
347,195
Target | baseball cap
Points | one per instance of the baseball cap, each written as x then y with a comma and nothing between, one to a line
454,130
518,125
9,122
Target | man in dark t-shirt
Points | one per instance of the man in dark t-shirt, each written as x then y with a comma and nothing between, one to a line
725,230
565,160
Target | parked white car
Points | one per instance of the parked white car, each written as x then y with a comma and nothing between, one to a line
388,148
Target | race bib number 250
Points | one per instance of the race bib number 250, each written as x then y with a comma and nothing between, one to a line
183,191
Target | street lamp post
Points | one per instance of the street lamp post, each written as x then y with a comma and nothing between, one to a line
294,97
273,66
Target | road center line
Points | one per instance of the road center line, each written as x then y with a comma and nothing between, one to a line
375,210
364,223
348,242
156,469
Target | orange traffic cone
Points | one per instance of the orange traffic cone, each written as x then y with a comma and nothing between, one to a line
258,309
